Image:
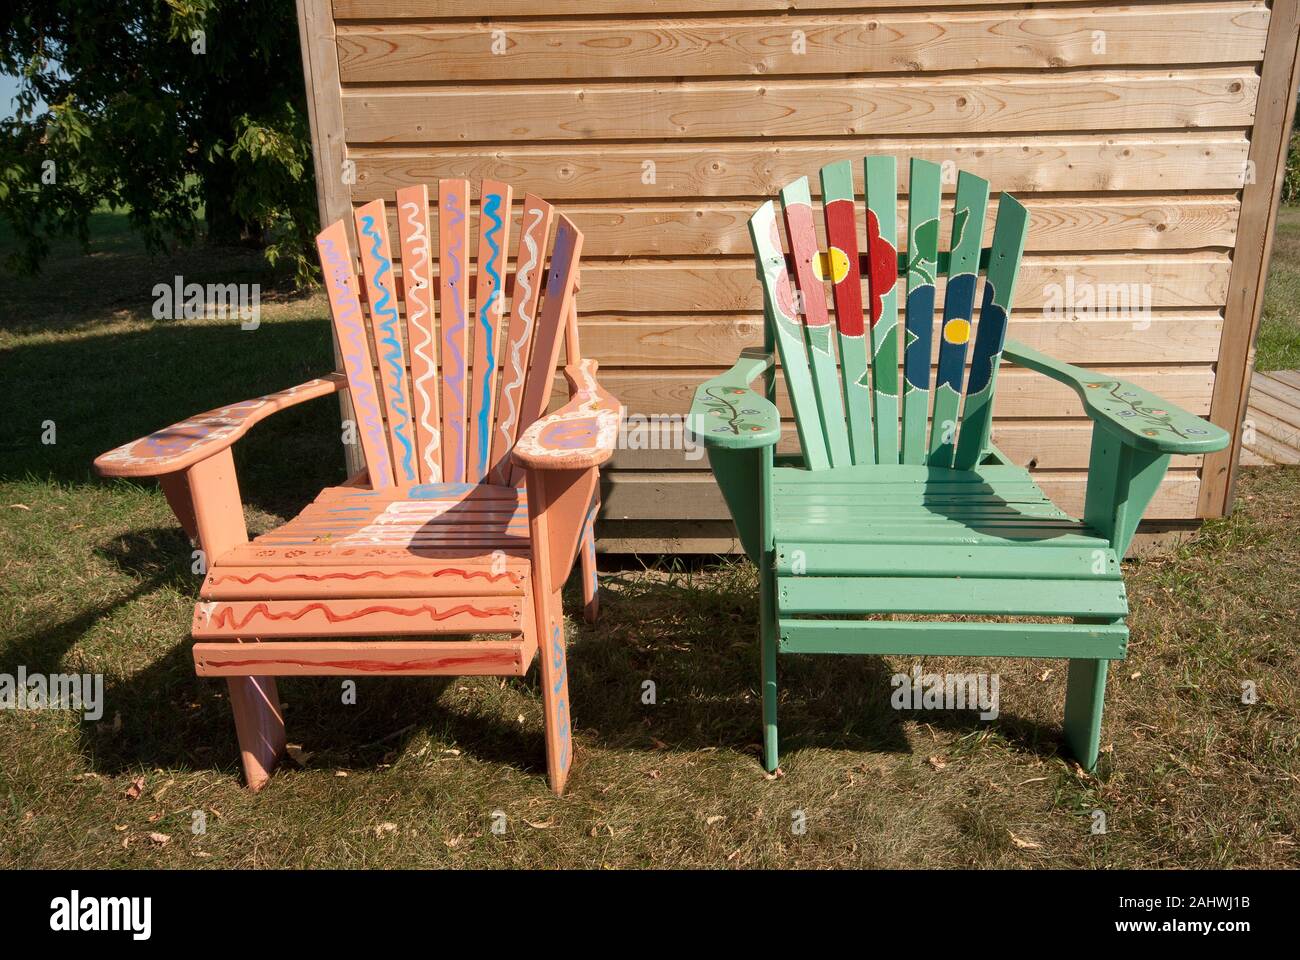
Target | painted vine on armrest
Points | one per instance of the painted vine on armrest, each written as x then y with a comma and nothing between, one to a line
1141,418
186,443
726,413
580,434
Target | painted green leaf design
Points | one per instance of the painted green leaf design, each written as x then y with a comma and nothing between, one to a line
959,221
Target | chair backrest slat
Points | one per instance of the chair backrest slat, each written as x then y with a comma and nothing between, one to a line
453,311
958,313
881,175
530,262
840,213
865,418
796,207
419,421
782,317
386,325
354,348
421,333
1009,232
922,265
560,283
489,311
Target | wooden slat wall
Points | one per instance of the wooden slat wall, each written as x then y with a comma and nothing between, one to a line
658,125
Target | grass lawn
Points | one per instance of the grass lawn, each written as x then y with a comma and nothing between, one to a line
95,577
1278,347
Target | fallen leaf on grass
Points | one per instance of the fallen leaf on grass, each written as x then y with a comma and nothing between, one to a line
716,818
542,825
19,506
162,839
1023,844
297,753
937,762
135,789
384,828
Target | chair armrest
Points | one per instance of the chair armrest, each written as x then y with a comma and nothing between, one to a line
1139,418
582,433
726,413
186,443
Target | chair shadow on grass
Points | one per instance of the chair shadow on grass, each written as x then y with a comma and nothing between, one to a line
699,648
705,668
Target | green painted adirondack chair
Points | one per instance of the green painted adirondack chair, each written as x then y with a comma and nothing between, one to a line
883,514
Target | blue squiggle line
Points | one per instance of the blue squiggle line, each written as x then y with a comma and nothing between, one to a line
394,355
491,210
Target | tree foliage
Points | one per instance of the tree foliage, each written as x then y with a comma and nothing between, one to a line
190,114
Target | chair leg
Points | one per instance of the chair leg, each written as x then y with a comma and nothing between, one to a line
259,725
767,648
590,586
1085,694
553,664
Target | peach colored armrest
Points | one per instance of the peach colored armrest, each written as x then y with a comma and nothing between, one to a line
186,443
580,434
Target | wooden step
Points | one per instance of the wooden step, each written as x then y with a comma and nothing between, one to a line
954,639
392,617
415,579
1097,598
337,658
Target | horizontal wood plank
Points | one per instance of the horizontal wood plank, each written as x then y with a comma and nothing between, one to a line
699,340
1083,224
891,41
1195,160
339,658
1109,100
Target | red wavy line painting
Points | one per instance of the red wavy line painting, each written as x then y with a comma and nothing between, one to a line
382,574
225,617
371,666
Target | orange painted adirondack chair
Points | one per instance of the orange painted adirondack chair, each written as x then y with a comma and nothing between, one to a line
473,504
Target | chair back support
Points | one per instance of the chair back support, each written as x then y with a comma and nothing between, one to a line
850,403
428,410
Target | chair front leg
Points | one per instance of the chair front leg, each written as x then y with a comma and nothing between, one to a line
590,583
214,502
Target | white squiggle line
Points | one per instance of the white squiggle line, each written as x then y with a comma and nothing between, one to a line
421,249
522,274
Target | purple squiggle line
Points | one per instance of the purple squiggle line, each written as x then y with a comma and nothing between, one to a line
454,372
363,395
